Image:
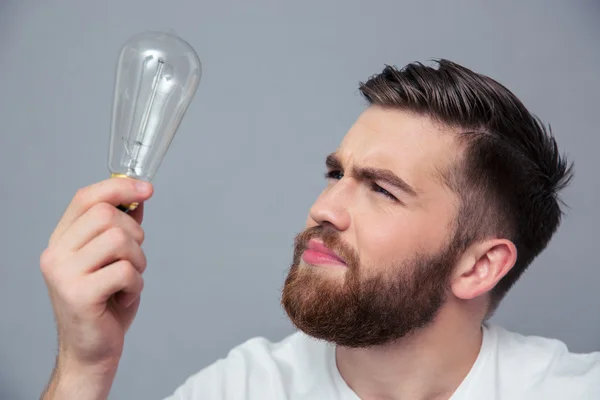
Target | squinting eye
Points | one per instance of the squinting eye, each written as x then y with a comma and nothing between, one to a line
378,189
337,175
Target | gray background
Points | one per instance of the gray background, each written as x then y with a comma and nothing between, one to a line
277,94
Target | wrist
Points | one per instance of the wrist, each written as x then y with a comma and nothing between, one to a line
71,380
71,365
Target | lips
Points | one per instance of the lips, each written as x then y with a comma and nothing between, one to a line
317,253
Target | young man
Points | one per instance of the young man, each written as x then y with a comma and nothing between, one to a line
438,198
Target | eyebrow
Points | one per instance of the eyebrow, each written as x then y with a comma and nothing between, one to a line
373,174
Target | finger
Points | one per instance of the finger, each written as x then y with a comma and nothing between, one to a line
126,299
120,276
110,246
138,213
114,191
98,219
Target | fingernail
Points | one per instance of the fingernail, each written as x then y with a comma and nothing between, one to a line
142,187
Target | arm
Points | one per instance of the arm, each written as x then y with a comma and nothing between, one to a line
78,384
93,269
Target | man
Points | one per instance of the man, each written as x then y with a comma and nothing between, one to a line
438,198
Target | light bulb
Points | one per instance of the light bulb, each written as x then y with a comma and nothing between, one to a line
156,78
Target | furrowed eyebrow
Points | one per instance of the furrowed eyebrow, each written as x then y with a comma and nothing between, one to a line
387,176
333,162
373,174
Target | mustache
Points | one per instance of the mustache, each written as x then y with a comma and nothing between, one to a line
330,238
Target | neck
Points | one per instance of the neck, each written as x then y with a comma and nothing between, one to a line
428,365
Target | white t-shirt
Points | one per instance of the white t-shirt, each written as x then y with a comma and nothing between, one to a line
510,366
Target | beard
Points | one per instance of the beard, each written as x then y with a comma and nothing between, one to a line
361,309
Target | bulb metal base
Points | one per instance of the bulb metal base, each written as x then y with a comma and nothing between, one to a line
125,207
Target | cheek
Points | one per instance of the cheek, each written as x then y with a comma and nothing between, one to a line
392,239
437,220
384,240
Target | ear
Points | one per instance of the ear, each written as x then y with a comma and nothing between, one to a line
481,267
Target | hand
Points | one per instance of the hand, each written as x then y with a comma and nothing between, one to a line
93,269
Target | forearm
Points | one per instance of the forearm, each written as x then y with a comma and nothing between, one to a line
79,383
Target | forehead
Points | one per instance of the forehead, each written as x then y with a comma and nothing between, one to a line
413,146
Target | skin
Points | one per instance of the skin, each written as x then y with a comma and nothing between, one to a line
431,363
93,268
93,265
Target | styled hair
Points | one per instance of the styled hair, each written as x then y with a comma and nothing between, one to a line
510,170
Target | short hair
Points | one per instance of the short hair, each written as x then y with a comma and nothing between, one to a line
510,172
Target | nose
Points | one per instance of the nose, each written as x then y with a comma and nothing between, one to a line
331,207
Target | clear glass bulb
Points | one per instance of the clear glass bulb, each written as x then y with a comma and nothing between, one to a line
156,78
